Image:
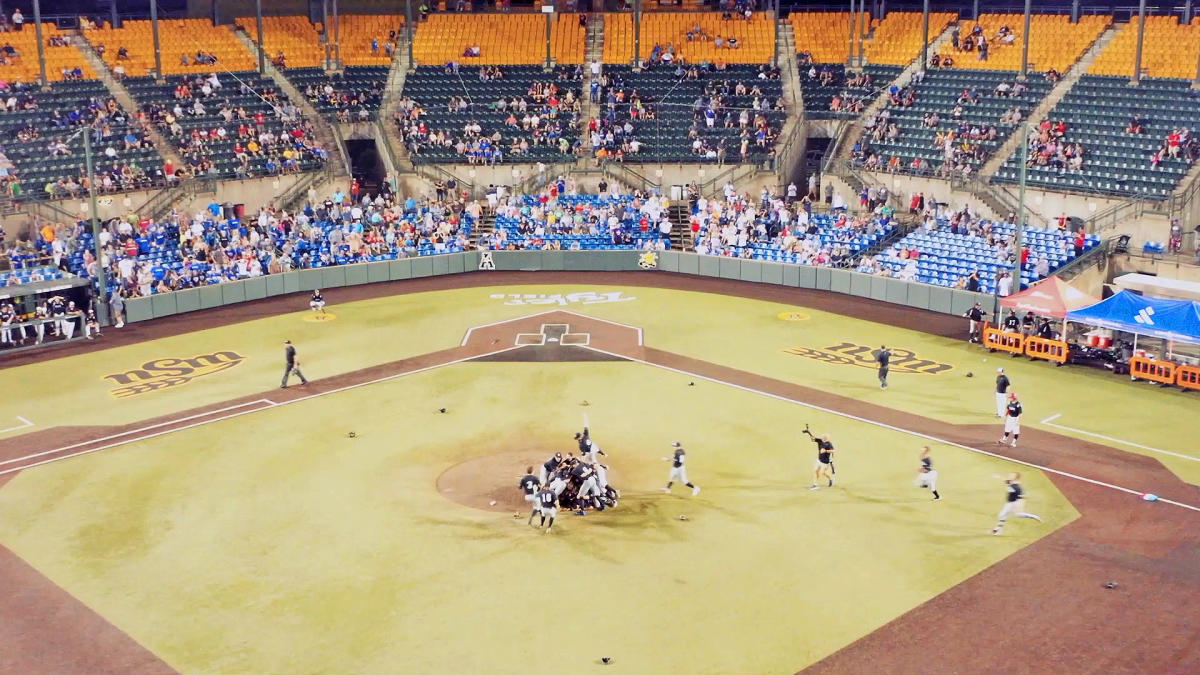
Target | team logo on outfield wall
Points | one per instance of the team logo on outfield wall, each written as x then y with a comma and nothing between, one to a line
850,354
170,372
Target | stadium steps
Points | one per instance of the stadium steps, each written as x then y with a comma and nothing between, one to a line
166,149
392,93
325,133
1076,71
854,130
785,54
483,228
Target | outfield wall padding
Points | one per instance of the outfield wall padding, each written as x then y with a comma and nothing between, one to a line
894,291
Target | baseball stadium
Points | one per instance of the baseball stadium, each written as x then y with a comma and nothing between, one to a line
706,336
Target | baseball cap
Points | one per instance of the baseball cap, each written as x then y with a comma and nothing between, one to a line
1000,370
676,445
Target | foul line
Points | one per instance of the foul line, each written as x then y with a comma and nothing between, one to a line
132,431
1049,421
893,428
24,424
269,404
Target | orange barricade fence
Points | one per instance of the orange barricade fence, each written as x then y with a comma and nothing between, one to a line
1005,341
1142,368
1050,350
1187,377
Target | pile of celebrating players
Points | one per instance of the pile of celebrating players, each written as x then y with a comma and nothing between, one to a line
578,483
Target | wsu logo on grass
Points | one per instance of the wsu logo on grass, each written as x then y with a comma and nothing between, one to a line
850,354
170,372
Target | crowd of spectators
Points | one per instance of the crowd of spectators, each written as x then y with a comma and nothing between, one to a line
212,133
546,115
187,251
1050,148
1177,143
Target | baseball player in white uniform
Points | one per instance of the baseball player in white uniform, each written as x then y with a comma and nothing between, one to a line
927,477
1014,503
678,470
1012,421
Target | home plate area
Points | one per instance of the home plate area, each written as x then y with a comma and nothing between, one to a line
556,336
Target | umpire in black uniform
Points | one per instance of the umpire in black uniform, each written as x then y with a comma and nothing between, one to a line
292,366
883,357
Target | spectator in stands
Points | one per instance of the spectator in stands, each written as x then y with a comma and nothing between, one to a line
1135,124
18,20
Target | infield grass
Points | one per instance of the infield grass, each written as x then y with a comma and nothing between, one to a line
273,543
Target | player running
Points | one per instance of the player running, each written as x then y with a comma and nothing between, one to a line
678,470
529,484
823,468
1014,503
927,478
1012,421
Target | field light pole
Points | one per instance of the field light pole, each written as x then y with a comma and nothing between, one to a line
325,29
408,30
1025,38
158,71
262,55
924,36
548,10
37,26
1020,230
1137,56
101,273
850,45
637,33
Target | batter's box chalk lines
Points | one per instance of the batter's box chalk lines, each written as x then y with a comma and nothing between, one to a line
1049,421
910,432
25,424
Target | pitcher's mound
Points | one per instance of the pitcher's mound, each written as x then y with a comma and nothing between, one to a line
481,480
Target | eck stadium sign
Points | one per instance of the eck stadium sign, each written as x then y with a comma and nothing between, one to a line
850,354
170,372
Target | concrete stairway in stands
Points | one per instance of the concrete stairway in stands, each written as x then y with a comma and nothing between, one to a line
119,92
324,132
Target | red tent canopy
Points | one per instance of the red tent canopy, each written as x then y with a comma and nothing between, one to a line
1049,297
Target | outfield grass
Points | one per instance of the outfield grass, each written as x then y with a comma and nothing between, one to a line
273,543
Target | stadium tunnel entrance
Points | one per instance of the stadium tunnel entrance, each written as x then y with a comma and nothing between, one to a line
366,164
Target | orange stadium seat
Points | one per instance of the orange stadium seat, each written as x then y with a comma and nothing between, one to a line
897,38
25,67
502,38
1170,49
825,35
1057,43
177,37
355,32
295,36
756,37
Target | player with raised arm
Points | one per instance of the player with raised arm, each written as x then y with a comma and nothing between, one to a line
823,468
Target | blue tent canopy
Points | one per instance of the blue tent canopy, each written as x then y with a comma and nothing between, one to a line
1156,317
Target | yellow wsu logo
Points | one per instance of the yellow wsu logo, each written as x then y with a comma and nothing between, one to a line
170,372
850,354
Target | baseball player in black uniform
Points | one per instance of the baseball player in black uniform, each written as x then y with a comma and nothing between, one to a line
883,357
1011,323
317,303
678,470
1028,323
544,505
976,316
823,467
588,450
292,366
1014,503
1002,385
1012,421
927,477
56,307
529,484
549,467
